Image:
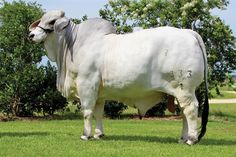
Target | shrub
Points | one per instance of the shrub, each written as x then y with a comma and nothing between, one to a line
49,99
113,109
157,110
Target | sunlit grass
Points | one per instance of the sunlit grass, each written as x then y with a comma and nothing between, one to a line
126,137
225,112
225,93
123,138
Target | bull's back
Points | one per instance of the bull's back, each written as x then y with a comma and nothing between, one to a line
150,58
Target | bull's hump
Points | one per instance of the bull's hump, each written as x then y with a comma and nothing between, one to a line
96,27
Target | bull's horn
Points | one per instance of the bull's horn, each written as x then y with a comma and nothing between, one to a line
62,13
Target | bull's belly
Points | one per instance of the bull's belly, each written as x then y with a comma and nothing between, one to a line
143,100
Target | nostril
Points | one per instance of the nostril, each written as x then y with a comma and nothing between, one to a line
31,36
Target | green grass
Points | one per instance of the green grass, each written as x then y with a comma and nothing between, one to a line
225,112
226,88
224,93
124,138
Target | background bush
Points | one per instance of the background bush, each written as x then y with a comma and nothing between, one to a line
113,109
26,85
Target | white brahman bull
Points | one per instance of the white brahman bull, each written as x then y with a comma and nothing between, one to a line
95,64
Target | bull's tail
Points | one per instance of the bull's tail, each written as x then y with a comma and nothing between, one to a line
205,113
205,110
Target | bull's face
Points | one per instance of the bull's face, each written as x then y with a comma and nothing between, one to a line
51,22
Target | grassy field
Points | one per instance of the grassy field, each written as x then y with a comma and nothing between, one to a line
225,93
124,138
223,112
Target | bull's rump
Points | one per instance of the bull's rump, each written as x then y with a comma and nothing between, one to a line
153,59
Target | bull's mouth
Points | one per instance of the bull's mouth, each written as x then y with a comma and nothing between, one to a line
32,39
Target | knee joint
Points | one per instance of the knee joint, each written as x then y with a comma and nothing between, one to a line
87,113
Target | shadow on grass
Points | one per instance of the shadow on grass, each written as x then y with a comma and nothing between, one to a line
224,116
217,142
22,134
140,138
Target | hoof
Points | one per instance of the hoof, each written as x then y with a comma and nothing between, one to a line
98,136
85,138
191,142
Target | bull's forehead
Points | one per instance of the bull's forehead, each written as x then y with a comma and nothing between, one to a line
54,14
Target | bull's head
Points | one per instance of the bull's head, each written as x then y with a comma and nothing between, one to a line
51,22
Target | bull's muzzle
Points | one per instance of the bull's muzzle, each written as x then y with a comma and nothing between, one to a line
31,36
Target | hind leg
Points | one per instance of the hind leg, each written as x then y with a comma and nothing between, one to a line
189,105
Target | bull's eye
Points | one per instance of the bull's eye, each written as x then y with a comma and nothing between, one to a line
52,22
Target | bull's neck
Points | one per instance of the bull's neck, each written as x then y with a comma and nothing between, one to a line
60,50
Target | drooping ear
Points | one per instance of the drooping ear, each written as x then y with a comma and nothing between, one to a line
34,25
61,24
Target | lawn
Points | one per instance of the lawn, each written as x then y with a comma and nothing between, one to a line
223,112
225,93
124,138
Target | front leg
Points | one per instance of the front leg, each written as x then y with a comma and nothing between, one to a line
88,114
98,114
88,92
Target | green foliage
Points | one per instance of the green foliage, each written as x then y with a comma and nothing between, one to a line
78,21
15,19
113,109
157,110
49,98
25,85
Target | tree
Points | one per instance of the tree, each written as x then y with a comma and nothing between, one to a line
191,14
23,79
